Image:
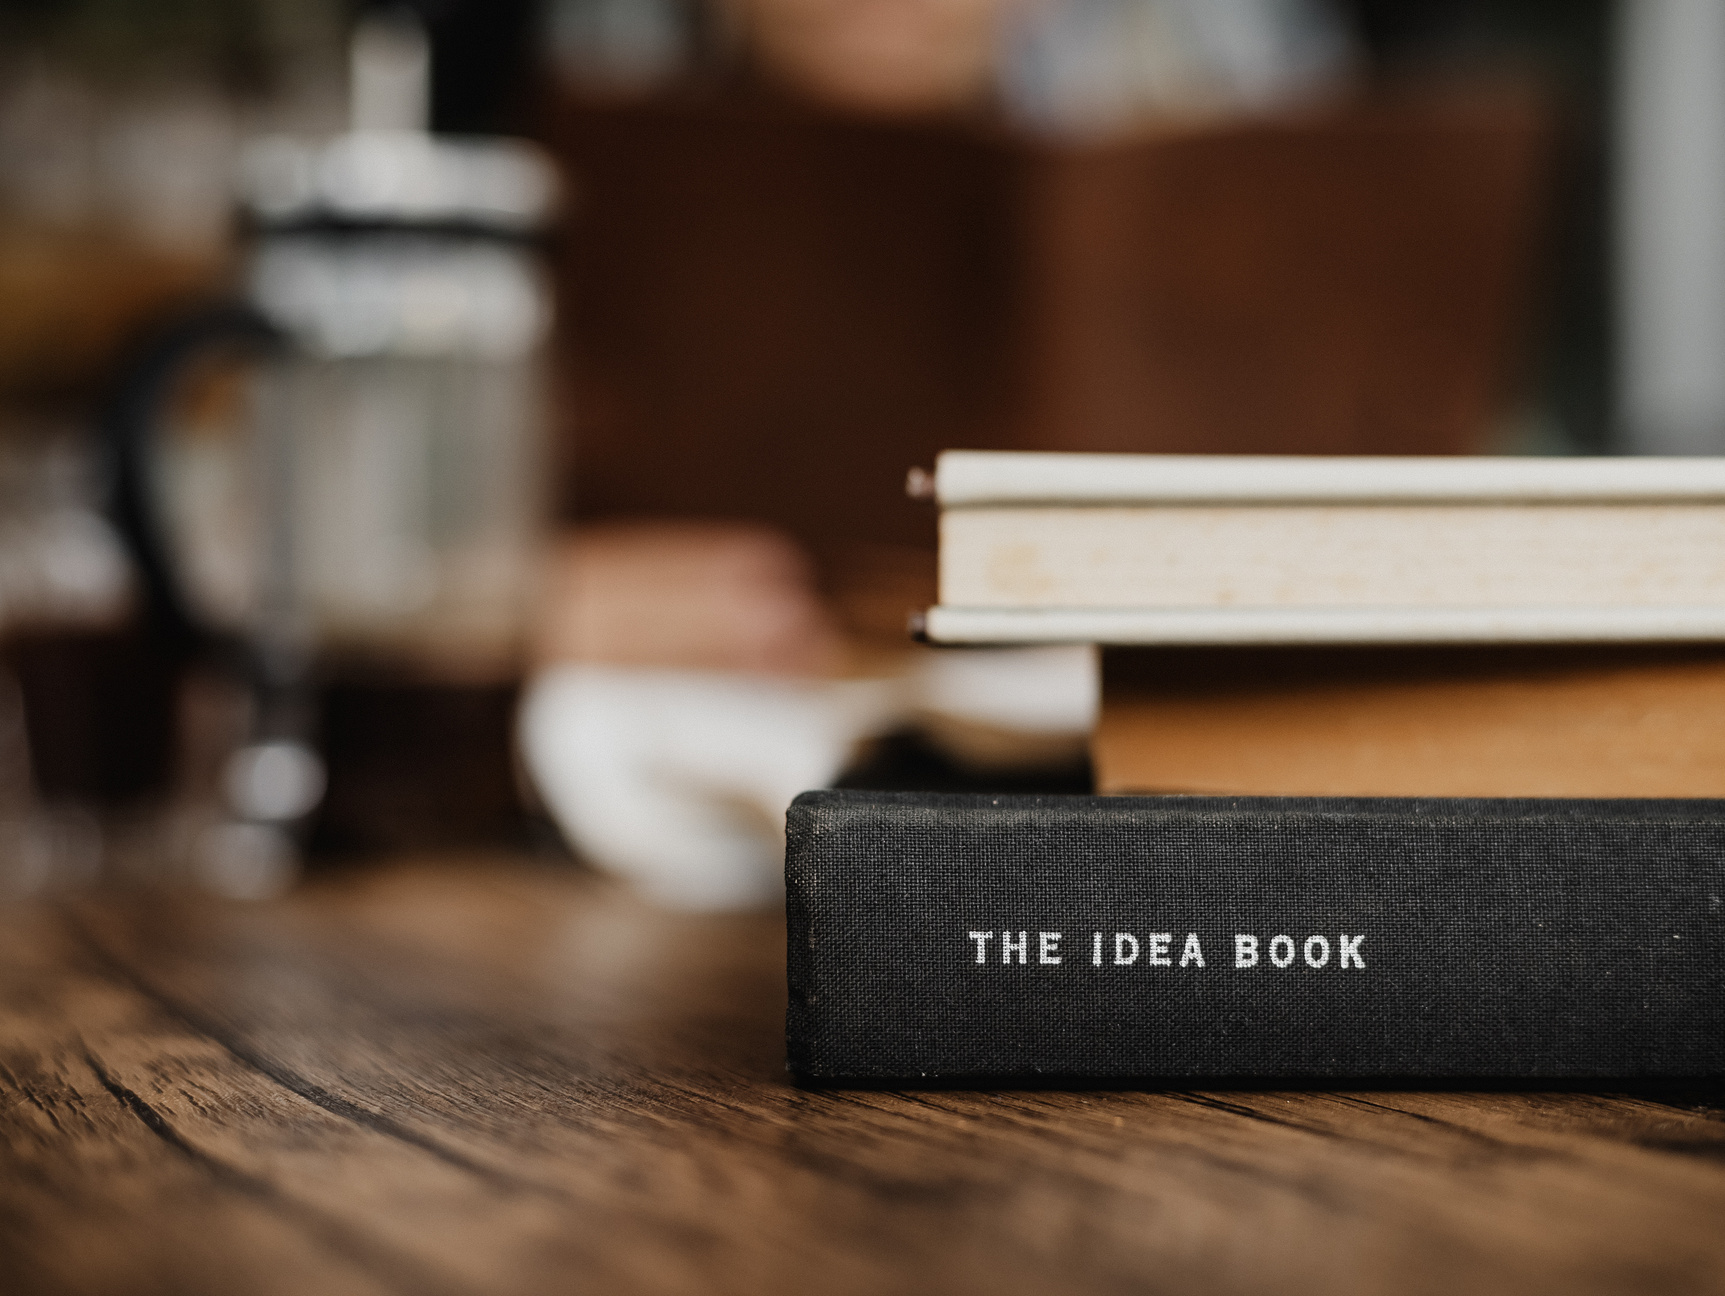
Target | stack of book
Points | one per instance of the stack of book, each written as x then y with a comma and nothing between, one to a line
1368,627
1425,755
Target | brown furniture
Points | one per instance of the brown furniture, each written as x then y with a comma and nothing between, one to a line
486,1076
1352,281
771,313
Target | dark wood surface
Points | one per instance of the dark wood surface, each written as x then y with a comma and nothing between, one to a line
499,1077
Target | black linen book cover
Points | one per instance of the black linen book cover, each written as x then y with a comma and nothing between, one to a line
973,937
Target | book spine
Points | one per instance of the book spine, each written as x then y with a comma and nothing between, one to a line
990,478
1167,939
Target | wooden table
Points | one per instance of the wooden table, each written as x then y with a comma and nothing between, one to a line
491,1076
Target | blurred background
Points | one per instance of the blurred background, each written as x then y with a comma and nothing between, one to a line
377,381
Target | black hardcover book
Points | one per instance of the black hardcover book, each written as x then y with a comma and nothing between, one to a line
1039,938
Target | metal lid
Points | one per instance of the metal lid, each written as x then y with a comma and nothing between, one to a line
399,178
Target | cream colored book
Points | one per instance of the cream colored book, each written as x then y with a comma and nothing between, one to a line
1171,549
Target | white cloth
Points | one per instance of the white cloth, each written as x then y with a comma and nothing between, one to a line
679,780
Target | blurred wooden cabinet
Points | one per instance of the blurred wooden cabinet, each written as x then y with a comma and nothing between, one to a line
1354,282
771,313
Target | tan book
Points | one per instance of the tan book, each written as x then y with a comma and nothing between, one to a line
1644,721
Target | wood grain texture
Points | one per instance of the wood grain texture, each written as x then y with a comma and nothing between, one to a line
494,1078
